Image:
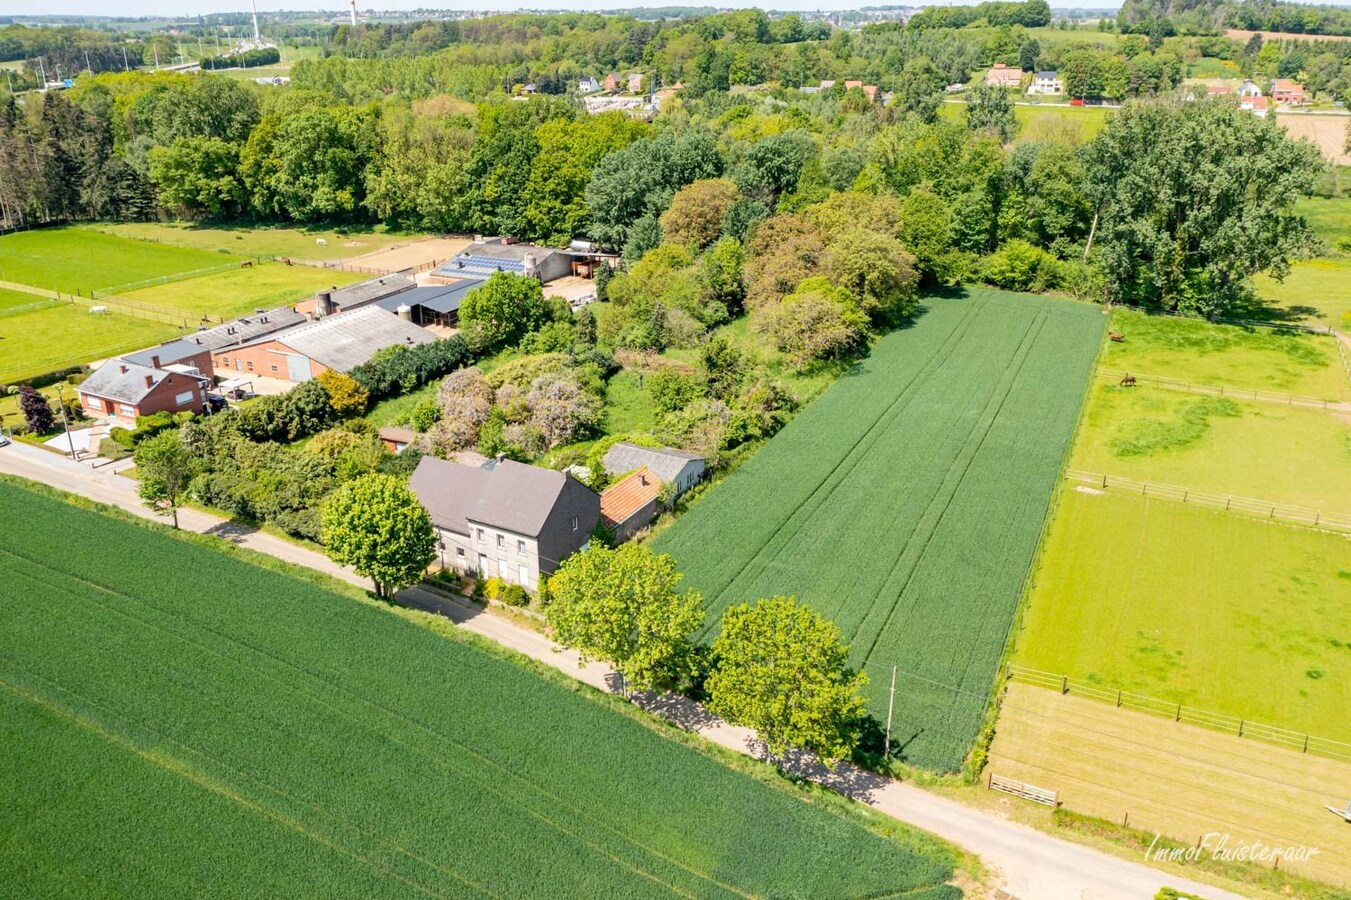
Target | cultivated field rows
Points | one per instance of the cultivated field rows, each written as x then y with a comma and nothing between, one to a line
411,763
905,503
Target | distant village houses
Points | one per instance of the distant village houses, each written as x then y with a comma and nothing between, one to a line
1046,84
1001,75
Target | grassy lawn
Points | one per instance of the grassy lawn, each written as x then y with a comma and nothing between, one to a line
11,300
244,241
1315,291
68,335
1045,122
200,725
238,291
78,260
1197,351
926,471
1267,451
1329,217
1196,606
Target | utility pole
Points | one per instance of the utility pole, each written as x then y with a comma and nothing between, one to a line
126,67
87,70
891,702
61,398
42,69
155,48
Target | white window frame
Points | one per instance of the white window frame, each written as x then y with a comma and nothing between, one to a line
185,397
520,548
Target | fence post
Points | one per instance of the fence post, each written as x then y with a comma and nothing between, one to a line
1064,684
1306,743
1118,699
1179,713
1104,482
1240,728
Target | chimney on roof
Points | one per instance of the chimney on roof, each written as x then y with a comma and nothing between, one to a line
323,304
154,362
642,479
150,381
123,368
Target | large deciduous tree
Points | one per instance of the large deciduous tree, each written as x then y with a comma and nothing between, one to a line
877,270
164,469
1191,199
376,526
695,215
783,671
504,310
989,110
624,607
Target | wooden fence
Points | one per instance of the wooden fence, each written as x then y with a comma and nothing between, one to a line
1336,523
1180,712
1222,390
1024,790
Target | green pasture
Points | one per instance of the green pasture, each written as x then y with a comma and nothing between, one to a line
67,334
1051,121
199,725
1315,291
237,291
1256,357
80,260
1217,445
905,502
1330,218
254,242
1197,606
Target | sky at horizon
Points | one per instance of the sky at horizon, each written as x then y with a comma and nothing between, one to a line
174,8
20,8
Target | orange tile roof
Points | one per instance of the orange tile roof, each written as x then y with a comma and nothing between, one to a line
628,495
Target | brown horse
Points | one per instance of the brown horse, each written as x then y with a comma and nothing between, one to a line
246,264
1128,381
1116,336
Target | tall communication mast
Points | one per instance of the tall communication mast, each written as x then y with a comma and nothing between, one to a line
352,8
256,36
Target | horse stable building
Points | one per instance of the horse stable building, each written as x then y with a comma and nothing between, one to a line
336,343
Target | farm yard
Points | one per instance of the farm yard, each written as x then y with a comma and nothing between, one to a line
905,502
221,724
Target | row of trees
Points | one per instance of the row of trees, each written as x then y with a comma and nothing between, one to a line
776,665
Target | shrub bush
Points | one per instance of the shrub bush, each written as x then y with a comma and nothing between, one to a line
513,595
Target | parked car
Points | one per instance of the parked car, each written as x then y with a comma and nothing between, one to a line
4,441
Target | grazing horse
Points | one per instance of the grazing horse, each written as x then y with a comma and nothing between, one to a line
286,259
246,264
1128,381
1116,336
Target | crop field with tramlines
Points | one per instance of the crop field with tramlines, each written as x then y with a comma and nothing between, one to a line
195,724
905,503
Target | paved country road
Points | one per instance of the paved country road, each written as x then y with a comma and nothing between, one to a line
1027,864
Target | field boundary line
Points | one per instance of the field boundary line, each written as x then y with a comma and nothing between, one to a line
30,289
1224,390
168,279
335,264
1318,519
1247,323
1181,712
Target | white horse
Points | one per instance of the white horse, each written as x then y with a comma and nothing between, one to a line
320,242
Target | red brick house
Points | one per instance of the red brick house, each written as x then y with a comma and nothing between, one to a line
1001,75
1286,91
122,390
631,503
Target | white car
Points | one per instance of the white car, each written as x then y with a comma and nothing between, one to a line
4,441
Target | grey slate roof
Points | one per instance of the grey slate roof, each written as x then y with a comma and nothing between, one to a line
501,493
664,462
363,292
127,387
442,298
168,353
1047,74
346,340
247,328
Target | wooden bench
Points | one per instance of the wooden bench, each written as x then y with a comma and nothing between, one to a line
1023,790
